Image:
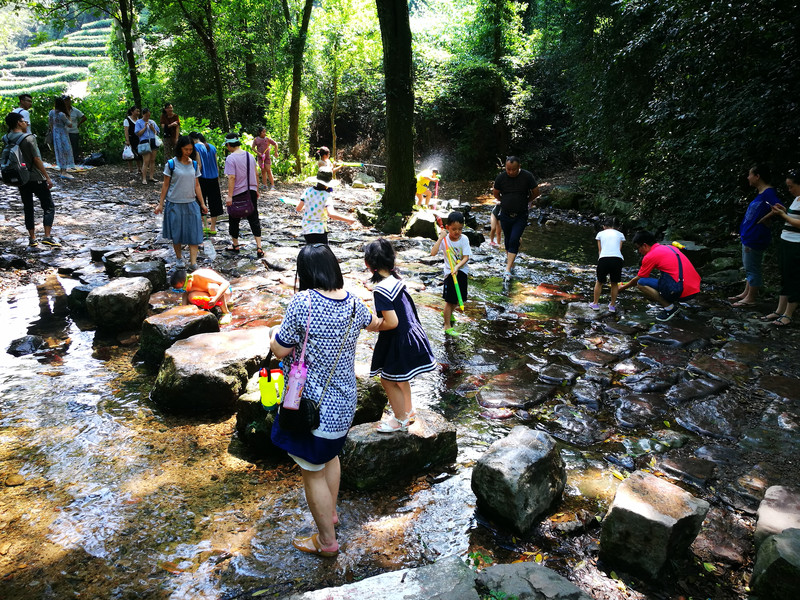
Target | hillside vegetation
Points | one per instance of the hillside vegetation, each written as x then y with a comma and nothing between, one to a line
53,66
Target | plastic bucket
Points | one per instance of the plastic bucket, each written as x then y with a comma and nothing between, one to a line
271,385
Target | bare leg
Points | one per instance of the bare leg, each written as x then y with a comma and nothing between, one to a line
598,287
448,311
271,178
333,474
178,251
652,295
397,397
213,223
614,292
258,243
790,306
510,258
193,254
321,502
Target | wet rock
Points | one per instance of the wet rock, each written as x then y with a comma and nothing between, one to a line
745,492
27,344
622,328
695,388
497,413
187,384
77,297
603,377
160,331
776,574
114,262
719,368
638,410
14,480
656,380
581,312
723,277
650,522
573,425
422,224
784,388
366,217
671,438
539,393
153,270
526,581
710,416
691,470
98,252
672,336
743,352
370,459
592,358
120,304
447,579
519,478
475,237
588,393
724,538
779,510
663,356
721,455
557,375
371,400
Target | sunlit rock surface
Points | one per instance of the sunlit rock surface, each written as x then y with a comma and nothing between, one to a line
121,304
519,478
779,510
650,522
160,331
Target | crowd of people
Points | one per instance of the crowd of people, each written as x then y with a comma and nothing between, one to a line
323,320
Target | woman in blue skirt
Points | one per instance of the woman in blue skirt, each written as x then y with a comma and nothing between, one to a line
184,201
402,351
326,320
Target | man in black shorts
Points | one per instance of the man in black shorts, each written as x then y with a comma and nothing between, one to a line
516,189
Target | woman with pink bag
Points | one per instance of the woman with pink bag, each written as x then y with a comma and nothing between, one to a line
322,323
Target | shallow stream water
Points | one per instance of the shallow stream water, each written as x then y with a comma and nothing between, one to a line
123,501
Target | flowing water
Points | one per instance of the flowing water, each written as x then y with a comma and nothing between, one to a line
123,501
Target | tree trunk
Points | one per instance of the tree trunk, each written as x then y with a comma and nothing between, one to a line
334,105
125,21
223,111
396,36
298,48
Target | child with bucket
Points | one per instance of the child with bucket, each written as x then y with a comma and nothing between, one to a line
402,351
455,247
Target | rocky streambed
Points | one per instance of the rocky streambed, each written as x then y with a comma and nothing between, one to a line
107,496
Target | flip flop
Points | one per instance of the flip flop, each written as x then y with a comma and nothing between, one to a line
312,545
771,316
735,298
741,304
782,321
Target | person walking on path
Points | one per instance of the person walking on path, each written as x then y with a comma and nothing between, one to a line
209,179
59,122
789,254
609,263
240,167
316,204
678,281
25,103
516,189
184,202
131,139
402,351
261,144
76,118
330,320
754,235
451,239
146,131
171,126
39,183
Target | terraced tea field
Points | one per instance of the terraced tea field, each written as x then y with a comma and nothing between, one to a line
54,66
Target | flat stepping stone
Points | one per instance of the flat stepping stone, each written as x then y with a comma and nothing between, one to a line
715,416
784,388
691,470
161,331
672,336
696,388
638,410
592,358
721,368
557,375
742,352
725,538
779,510
656,380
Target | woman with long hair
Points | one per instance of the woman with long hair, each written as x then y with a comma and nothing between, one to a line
59,121
147,131
240,167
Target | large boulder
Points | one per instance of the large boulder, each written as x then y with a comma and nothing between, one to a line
370,459
422,224
153,270
527,581
208,372
779,510
121,304
776,574
650,522
160,331
519,478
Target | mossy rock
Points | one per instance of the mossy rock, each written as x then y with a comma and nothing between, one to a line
564,197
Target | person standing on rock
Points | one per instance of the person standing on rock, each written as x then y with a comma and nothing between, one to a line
184,202
424,179
147,131
240,167
39,184
678,281
261,144
316,204
609,263
325,320
754,234
516,189
402,351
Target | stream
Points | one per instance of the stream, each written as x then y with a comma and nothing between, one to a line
123,501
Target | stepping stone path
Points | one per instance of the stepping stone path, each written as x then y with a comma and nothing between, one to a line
161,331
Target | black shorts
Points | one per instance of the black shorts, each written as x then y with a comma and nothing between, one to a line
609,266
449,290
212,196
496,210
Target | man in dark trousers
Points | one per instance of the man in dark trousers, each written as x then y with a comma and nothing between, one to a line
516,189
39,183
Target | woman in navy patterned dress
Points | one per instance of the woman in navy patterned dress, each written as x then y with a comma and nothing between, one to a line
402,351
330,355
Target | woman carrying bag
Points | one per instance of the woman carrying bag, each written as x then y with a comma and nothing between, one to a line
240,167
147,132
322,322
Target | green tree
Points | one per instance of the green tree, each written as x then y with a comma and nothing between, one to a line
299,31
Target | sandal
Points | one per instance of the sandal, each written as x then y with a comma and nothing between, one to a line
742,304
771,316
232,248
384,427
259,253
782,321
312,545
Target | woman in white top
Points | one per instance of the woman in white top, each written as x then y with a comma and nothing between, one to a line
789,255
147,131
131,140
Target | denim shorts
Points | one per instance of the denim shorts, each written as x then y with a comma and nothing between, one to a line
751,259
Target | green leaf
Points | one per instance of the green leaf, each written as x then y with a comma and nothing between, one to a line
709,567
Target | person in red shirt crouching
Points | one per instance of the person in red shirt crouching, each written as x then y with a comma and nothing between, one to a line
678,281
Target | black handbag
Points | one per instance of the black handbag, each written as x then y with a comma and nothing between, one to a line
306,417
242,204
668,288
